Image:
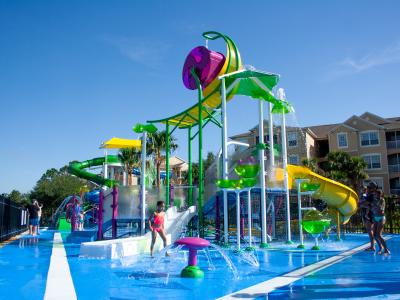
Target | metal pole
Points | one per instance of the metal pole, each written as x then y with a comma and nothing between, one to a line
143,184
300,216
285,172
105,165
262,174
167,165
100,216
224,122
217,220
238,219
201,177
249,214
271,138
114,212
271,162
190,175
73,214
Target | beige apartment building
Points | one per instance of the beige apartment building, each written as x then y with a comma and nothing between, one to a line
369,136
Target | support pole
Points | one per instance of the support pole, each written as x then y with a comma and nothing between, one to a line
114,211
271,138
249,214
73,214
217,219
105,175
167,165
224,122
271,163
262,174
190,175
143,184
238,219
281,96
301,245
100,216
201,177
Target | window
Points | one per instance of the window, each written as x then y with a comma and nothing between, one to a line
293,159
292,139
369,138
342,140
373,161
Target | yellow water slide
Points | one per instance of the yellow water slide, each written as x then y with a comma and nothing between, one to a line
337,196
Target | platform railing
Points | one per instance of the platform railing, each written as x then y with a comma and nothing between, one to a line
13,219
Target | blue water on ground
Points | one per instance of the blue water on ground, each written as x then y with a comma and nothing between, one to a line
366,275
23,267
24,264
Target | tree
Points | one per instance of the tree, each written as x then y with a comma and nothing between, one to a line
208,161
156,143
349,170
312,164
53,187
131,159
195,168
18,197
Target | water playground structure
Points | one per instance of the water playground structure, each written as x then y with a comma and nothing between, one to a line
254,176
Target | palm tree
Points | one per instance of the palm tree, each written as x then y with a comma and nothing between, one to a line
156,144
131,159
347,169
356,172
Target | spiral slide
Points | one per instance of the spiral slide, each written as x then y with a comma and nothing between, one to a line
335,194
77,169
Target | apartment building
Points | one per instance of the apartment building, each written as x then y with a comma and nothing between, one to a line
374,138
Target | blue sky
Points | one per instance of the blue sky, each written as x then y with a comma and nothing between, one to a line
75,73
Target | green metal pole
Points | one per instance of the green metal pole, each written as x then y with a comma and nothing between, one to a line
190,175
167,164
201,179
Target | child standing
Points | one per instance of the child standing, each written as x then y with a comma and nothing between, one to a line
156,223
81,220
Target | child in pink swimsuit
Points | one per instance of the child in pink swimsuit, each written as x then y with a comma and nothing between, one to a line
156,223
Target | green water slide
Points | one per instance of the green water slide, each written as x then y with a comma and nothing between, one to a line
77,169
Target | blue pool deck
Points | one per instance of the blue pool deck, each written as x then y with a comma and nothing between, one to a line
46,267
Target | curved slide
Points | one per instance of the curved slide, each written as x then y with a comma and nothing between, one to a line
77,169
335,194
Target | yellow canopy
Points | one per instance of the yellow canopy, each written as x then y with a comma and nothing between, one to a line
117,143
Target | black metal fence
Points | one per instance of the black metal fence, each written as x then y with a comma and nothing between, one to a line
13,219
392,213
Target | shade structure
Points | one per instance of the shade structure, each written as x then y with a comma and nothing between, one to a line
117,143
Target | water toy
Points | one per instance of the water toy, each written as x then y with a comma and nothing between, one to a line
192,244
314,222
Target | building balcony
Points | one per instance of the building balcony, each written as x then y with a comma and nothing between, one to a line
395,192
394,168
393,144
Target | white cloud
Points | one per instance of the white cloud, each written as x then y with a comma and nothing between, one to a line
349,65
146,52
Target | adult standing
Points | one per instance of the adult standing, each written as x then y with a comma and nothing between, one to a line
365,206
33,210
379,220
40,206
